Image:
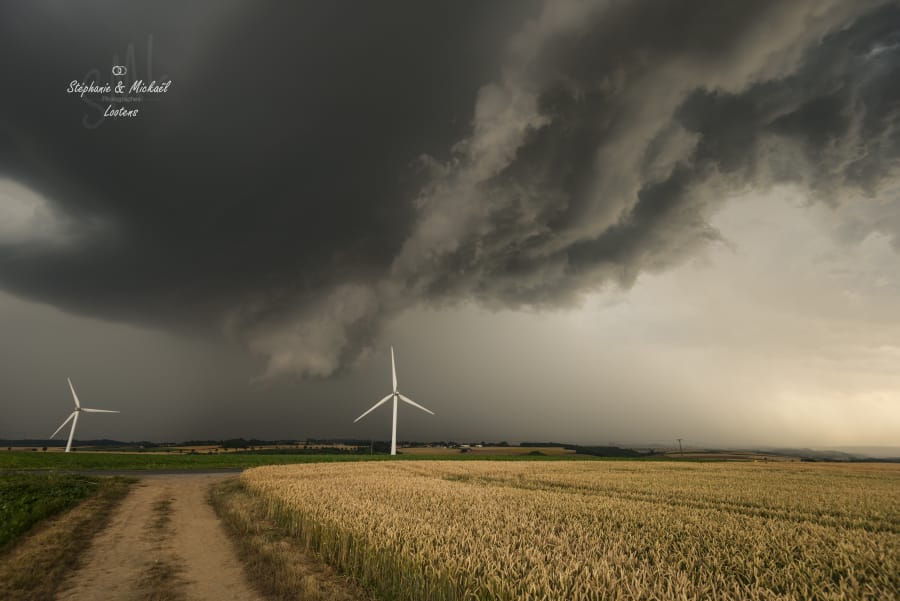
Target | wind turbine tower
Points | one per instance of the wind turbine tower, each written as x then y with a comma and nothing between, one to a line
397,396
74,417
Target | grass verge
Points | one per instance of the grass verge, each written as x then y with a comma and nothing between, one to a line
275,563
33,567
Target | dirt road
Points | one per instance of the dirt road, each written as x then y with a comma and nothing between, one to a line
164,542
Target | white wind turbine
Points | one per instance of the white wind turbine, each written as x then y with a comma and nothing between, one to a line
74,417
395,395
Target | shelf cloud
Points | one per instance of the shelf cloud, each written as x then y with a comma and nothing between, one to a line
316,170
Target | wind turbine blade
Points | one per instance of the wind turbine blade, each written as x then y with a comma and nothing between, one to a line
393,369
374,407
72,433
415,404
86,410
74,396
68,419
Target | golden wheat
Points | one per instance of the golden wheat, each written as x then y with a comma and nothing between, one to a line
597,530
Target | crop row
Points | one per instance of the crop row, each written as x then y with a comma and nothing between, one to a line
511,531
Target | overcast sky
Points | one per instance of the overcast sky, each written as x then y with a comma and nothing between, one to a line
608,221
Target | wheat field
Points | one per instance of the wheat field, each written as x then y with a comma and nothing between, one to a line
596,530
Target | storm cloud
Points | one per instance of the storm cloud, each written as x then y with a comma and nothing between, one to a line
320,168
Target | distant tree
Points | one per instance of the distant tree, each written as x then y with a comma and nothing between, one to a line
235,443
606,451
377,447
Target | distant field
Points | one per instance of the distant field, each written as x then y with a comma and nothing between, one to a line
89,460
478,451
597,530
138,461
205,449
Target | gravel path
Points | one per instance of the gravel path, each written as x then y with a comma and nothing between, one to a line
164,542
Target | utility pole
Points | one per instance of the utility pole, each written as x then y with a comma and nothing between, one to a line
680,449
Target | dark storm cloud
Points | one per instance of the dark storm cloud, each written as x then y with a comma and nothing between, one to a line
632,134
274,169
320,168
